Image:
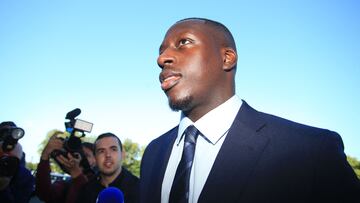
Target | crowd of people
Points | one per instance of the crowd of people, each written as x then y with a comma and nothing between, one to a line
223,150
93,168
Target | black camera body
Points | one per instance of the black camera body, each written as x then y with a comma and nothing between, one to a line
8,165
73,144
9,135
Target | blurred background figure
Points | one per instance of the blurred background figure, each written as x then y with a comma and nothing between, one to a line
61,191
16,182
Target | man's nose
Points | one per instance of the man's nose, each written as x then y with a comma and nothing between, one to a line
166,58
107,153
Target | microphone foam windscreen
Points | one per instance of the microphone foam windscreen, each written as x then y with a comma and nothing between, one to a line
110,195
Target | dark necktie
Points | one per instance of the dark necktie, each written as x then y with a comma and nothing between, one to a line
180,188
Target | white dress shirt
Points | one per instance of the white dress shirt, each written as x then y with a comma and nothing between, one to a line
213,128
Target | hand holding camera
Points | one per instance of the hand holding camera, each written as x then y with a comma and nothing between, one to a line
69,147
54,144
71,163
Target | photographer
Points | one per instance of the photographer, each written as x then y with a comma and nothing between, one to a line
62,190
16,182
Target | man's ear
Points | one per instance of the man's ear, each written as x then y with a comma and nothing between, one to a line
229,58
123,155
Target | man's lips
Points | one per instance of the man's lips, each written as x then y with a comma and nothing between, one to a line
108,163
169,79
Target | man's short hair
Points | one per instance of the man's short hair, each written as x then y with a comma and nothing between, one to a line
108,135
7,124
89,146
228,37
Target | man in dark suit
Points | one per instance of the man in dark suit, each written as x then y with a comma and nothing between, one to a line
241,155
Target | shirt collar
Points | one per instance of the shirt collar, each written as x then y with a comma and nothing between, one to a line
116,182
215,123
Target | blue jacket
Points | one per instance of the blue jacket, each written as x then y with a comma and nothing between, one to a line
264,158
20,188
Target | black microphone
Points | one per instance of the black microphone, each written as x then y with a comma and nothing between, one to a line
110,195
72,114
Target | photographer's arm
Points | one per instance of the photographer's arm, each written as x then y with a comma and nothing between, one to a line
45,190
54,143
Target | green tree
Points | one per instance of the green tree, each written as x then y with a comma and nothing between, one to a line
355,164
31,166
133,153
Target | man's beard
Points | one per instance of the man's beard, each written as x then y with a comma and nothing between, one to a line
110,173
183,104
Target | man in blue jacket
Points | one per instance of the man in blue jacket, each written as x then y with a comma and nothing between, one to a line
223,150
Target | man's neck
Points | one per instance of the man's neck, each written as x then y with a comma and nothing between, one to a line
107,179
196,113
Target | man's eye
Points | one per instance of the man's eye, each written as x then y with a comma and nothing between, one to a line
183,42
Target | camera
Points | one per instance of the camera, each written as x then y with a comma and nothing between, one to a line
8,165
9,136
76,129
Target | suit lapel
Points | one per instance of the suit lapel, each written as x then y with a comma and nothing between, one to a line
236,159
162,156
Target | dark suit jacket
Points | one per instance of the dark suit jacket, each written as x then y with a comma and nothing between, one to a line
264,158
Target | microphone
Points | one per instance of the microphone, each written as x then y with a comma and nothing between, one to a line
72,114
110,195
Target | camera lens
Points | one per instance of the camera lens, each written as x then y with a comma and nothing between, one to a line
17,133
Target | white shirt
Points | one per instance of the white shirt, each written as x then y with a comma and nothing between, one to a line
213,128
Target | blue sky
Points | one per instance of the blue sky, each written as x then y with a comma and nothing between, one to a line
297,59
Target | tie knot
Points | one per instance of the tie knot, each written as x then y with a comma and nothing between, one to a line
191,134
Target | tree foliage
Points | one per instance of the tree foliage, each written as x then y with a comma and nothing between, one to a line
355,164
31,166
133,153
